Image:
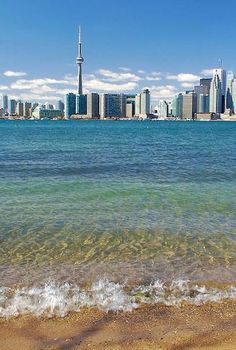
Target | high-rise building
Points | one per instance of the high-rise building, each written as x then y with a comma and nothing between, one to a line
207,83
81,104
5,103
143,104
203,103
112,105
228,96
162,109
93,105
70,105
20,109
189,105
221,73
177,106
130,105
26,109
216,95
60,106
80,61
49,106
138,104
12,109
233,96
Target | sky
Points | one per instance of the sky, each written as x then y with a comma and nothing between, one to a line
166,46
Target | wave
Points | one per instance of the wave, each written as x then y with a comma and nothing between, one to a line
57,300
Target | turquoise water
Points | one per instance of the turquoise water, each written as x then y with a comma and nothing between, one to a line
128,201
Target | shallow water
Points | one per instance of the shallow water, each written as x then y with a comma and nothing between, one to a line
132,202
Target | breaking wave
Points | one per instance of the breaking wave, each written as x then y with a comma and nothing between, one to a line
57,300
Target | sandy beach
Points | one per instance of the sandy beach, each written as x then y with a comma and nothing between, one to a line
210,326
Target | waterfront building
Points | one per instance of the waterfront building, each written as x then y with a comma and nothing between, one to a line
12,107
5,103
189,105
27,109
228,98
81,104
41,112
233,96
162,109
92,105
169,108
203,104
177,106
216,95
138,105
145,103
49,106
221,73
20,109
79,62
112,105
70,105
60,106
207,83
130,106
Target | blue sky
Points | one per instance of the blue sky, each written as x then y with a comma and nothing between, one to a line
127,45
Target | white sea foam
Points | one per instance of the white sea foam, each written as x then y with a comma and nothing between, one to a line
55,299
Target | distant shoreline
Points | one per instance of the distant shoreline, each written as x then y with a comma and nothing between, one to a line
120,119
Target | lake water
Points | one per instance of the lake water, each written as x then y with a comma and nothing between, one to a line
115,213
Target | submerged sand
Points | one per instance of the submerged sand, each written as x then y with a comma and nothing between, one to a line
209,326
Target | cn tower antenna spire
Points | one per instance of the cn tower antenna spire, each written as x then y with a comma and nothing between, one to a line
80,61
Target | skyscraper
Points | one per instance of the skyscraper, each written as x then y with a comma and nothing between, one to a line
60,106
81,104
145,102
5,103
221,73
130,105
26,109
93,105
12,110
80,61
162,109
70,105
112,105
228,96
189,105
20,109
216,95
142,104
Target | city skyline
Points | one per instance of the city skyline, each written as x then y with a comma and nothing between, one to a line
37,76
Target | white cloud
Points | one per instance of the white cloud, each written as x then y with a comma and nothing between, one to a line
187,85
208,72
140,71
93,83
115,77
153,76
184,77
125,69
100,85
10,73
163,92
3,87
35,97
27,84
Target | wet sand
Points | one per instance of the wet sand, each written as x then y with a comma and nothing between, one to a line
210,326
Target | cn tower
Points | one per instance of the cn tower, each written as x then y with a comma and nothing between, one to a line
79,61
